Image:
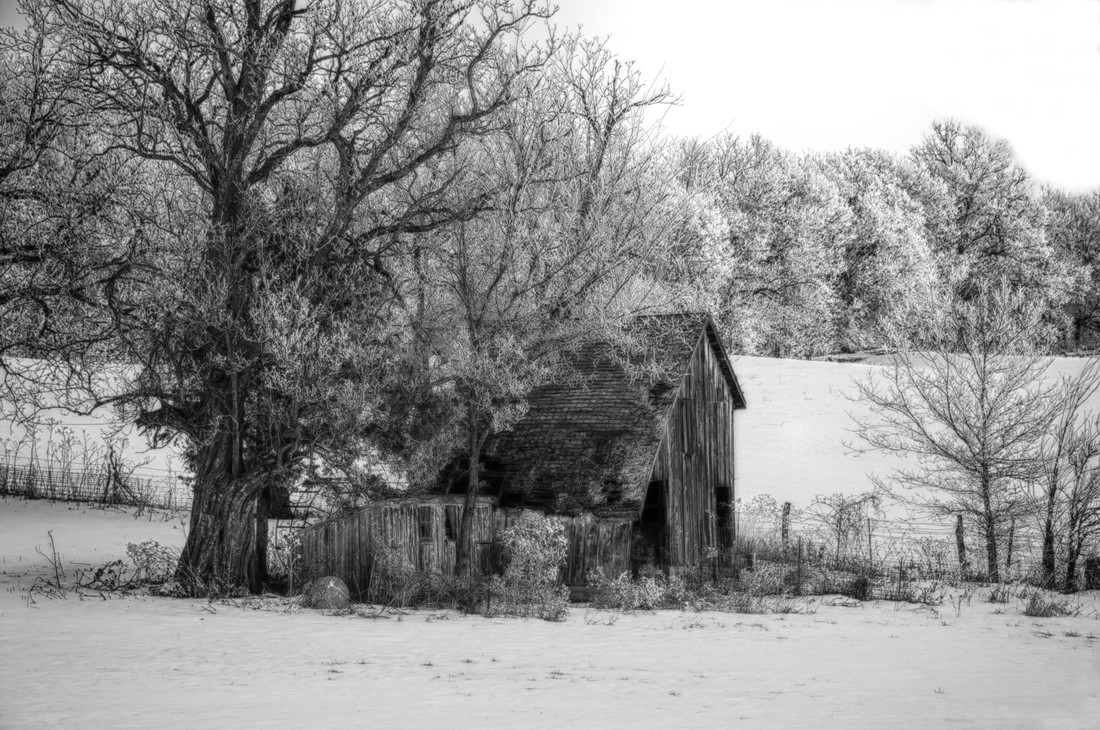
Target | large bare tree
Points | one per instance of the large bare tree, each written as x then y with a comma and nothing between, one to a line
967,401
283,149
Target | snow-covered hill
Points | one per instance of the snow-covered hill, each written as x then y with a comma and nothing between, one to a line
790,440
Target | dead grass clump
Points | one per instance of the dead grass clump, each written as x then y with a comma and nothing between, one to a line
735,602
154,563
925,593
1000,593
858,588
651,591
1040,605
770,579
654,591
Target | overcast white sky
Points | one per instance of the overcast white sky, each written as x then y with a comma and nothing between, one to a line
829,74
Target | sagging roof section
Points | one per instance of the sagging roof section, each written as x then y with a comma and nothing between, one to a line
588,444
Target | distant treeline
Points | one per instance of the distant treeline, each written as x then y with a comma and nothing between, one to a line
808,254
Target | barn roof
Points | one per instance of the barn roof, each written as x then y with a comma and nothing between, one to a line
589,443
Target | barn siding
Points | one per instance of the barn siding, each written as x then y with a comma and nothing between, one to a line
695,458
342,546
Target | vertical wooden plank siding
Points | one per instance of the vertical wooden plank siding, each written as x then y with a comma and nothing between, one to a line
594,544
696,457
342,546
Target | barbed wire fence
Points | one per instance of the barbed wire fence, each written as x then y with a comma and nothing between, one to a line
96,483
57,462
943,549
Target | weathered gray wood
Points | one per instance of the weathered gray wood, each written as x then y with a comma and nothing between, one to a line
696,458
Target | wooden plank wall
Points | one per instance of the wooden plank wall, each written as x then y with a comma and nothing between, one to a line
594,544
343,546
696,458
591,544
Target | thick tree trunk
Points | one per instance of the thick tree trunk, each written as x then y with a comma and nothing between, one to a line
228,531
464,548
226,548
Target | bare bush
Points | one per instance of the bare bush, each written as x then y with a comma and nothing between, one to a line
649,592
533,548
1040,605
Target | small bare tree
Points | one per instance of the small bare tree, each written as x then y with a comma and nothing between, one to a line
967,399
1068,476
1081,511
846,519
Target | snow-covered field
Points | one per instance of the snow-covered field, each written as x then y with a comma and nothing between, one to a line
140,661
791,439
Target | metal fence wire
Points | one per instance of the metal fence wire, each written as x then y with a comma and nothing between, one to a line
925,548
96,484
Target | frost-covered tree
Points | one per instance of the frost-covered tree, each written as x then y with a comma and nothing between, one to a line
1073,230
284,148
785,227
888,264
995,224
964,397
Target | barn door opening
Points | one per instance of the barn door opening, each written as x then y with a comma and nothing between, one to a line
651,530
724,508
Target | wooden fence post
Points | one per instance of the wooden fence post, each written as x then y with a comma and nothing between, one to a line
785,527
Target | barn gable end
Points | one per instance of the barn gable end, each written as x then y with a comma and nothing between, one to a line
693,470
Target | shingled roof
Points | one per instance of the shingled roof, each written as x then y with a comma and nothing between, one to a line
588,444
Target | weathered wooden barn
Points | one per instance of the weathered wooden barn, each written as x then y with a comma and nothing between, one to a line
634,455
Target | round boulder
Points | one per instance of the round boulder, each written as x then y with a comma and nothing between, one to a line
328,592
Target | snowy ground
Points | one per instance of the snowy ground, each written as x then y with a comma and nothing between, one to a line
156,662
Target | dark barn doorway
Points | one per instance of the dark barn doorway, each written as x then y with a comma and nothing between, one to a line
651,530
